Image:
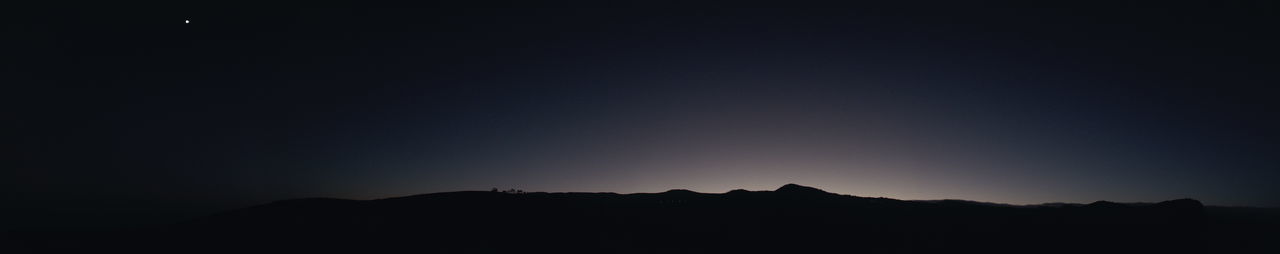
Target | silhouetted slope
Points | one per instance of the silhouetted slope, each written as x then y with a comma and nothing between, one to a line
796,189
791,219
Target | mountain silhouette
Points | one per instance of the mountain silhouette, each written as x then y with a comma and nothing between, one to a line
796,189
790,219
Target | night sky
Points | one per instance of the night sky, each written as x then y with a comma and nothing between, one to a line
131,110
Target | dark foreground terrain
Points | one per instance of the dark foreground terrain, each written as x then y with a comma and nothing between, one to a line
792,219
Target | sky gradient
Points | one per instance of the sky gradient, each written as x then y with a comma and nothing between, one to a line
136,110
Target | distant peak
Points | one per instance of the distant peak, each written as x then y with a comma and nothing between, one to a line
1105,204
799,189
1182,203
681,191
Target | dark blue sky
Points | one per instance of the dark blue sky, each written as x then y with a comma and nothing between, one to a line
128,108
